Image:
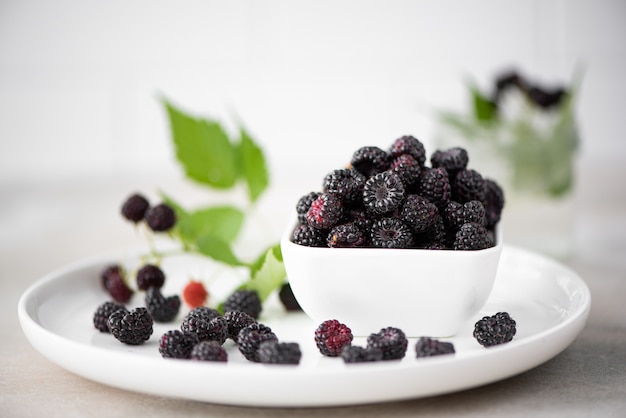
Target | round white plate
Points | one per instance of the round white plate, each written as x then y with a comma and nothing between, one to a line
549,302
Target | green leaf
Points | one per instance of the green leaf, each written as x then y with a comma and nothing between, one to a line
253,166
484,109
221,222
203,148
269,276
218,250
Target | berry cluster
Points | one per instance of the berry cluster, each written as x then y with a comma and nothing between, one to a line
392,199
159,218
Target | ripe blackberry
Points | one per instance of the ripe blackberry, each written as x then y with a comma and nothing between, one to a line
250,339
306,235
114,281
457,214
370,161
207,323
236,321
391,233
418,213
101,316
435,186
331,336
452,159
274,352
303,205
494,203
161,218
346,236
177,344
209,351
357,354
287,298
391,341
247,301
133,327
428,347
135,207
361,219
346,183
496,329
325,212
407,169
161,308
468,185
472,236
383,193
150,275
409,145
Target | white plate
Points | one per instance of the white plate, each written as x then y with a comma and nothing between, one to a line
549,302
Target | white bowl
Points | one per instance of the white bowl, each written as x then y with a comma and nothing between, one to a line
422,292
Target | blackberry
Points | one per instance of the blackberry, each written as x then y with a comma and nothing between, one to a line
150,276
306,235
207,323
545,98
303,205
472,236
407,169
161,218
391,233
135,207
209,351
361,219
383,193
250,339
370,161
357,354
468,185
496,329
274,352
409,145
346,236
435,186
325,212
347,184
177,344
132,327
428,347
418,213
331,336
457,214
236,321
391,341
247,301
287,298
101,316
161,308
453,160
114,281
494,203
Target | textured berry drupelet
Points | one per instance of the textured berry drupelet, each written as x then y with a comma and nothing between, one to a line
114,281
409,145
428,347
383,193
304,204
250,339
287,298
177,344
361,219
346,236
133,327
457,214
331,336
435,186
325,212
161,308
161,218
496,329
468,185
247,301
207,323
418,213
237,321
391,341
472,236
134,208
306,235
370,161
195,294
346,184
274,352
407,169
209,351
494,203
391,233
452,159
101,316
357,354
150,275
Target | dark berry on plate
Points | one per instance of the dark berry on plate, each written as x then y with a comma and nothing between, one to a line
161,308
133,327
427,347
383,193
150,275
250,339
346,236
407,169
370,160
101,316
453,160
457,214
114,281
346,184
409,145
195,294
358,354
361,219
435,186
287,298
177,344
331,336
236,321
391,233
468,185
306,235
209,351
472,236
494,203
207,323
243,300
496,329
303,205
161,218
274,352
391,341
325,212
135,207
418,213
436,237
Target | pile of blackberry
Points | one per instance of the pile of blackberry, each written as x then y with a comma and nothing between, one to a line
393,199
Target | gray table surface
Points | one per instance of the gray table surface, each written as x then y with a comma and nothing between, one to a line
46,225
